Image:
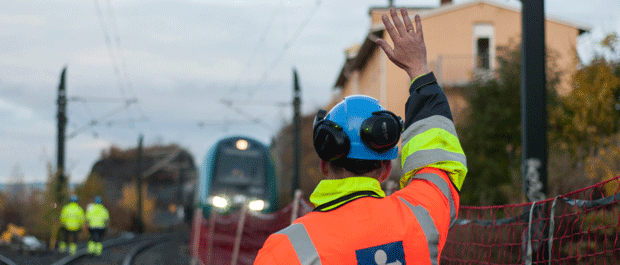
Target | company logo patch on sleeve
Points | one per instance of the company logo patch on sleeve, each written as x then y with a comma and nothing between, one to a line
388,254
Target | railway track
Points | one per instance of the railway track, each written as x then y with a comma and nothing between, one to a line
154,251
7,261
121,250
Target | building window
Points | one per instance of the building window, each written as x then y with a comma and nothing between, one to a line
483,53
484,46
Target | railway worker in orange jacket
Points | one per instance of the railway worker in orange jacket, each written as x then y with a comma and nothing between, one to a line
354,222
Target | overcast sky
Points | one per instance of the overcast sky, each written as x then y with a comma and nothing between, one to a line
179,59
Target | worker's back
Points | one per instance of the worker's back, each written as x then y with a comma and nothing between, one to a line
412,223
72,216
97,216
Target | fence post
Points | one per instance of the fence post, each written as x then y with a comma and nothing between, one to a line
295,210
211,235
197,227
551,228
240,225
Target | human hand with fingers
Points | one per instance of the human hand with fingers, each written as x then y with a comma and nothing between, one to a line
409,52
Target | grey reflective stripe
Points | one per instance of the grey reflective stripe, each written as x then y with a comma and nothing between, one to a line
427,157
443,187
436,121
302,244
428,227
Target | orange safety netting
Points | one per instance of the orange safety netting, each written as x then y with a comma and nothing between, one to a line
580,227
256,228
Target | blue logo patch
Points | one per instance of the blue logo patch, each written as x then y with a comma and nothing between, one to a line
388,254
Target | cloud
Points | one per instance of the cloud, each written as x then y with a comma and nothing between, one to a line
16,111
94,145
28,20
166,38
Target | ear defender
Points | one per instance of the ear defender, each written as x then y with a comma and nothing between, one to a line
381,131
330,140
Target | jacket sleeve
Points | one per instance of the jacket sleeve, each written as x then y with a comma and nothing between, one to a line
433,162
430,139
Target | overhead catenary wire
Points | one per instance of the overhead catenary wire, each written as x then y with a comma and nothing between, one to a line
287,46
102,119
247,115
261,40
120,69
274,64
121,54
108,42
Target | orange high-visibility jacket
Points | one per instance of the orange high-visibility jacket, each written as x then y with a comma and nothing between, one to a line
407,227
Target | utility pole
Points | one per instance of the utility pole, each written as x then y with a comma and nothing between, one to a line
62,125
139,184
296,132
533,100
390,3
534,122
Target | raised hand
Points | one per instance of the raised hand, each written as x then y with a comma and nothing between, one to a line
409,52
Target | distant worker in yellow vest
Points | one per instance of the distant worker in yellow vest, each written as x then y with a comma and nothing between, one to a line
72,219
97,217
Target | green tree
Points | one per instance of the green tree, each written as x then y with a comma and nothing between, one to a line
93,186
588,114
491,138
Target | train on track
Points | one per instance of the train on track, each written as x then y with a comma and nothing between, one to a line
237,170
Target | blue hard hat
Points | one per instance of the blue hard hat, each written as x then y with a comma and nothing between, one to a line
355,112
73,198
98,199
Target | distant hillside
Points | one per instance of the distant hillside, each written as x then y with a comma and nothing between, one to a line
33,186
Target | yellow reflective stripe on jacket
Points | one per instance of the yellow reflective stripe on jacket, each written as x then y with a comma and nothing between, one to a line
432,142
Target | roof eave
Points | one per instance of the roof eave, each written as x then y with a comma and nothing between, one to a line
361,57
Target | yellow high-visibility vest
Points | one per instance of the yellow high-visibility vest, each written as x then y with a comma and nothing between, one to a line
97,216
72,216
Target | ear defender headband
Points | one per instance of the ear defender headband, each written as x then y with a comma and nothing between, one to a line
379,133
330,140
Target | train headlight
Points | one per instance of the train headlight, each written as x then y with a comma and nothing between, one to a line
242,144
219,202
257,205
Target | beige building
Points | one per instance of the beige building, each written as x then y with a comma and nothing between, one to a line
461,42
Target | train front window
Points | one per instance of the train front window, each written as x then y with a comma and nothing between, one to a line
240,170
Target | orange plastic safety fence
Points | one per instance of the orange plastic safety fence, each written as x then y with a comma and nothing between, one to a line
581,227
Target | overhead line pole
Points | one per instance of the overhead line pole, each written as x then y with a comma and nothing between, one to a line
533,100
534,121
62,126
296,132
139,184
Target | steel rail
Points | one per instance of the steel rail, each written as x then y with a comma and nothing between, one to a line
7,261
131,255
106,244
